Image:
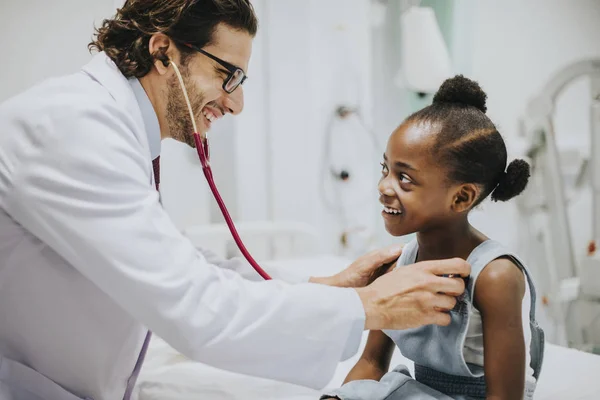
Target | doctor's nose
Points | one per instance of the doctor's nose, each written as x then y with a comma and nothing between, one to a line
234,102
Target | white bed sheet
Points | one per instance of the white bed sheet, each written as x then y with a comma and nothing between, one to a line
166,375
567,374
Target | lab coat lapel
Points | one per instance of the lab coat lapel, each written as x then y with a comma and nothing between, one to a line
103,70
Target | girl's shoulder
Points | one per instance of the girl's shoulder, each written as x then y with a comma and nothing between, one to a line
489,252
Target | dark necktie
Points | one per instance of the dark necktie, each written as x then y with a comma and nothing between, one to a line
156,166
140,361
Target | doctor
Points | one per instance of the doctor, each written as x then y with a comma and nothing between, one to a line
89,261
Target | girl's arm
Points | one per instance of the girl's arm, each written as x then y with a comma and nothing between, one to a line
375,360
498,296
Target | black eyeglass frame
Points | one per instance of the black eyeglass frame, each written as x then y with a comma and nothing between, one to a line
232,69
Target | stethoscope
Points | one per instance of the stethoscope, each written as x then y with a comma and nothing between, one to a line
203,150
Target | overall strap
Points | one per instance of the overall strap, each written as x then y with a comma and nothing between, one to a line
483,255
489,251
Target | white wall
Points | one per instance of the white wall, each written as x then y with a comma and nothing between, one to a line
39,40
516,47
309,57
252,133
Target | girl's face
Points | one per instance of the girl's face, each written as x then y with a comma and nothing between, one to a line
415,192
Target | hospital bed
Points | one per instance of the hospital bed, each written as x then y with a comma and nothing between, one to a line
167,375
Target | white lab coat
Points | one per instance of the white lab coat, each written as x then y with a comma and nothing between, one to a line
89,260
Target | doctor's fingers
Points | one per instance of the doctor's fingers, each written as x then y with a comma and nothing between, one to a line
430,303
435,308
440,318
449,286
384,256
417,309
443,302
453,266
414,278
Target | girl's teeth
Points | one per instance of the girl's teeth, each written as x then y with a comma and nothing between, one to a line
391,211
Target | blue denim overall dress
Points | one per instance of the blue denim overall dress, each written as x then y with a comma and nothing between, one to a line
441,371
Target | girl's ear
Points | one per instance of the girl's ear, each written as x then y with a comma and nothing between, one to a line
465,197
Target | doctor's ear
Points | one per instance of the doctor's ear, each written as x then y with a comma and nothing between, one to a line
465,197
160,46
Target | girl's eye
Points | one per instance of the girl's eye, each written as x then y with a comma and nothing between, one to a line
384,168
405,179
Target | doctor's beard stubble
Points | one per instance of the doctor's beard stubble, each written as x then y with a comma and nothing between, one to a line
178,116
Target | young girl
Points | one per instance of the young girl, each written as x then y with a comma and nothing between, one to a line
439,164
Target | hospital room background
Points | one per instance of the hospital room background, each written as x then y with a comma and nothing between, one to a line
329,80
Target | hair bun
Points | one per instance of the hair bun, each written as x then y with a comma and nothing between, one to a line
461,90
513,181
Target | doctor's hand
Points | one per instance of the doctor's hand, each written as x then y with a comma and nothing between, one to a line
414,295
365,269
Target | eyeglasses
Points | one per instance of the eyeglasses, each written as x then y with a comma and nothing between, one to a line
236,75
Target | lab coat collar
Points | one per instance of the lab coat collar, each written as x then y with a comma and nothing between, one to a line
103,69
149,117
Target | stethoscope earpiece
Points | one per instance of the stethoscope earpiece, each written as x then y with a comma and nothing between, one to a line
161,56
164,60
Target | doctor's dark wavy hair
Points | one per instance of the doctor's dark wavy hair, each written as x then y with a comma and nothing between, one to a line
125,38
468,145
